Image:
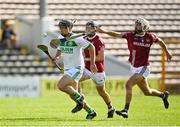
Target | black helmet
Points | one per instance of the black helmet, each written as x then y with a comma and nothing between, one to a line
65,23
91,23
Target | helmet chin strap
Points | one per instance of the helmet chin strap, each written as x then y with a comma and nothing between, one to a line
140,32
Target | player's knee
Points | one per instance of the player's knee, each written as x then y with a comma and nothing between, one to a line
60,86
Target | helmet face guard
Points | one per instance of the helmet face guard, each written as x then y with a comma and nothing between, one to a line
65,23
144,23
92,24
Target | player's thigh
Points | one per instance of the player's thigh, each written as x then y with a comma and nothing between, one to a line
74,73
143,85
134,79
65,80
101,89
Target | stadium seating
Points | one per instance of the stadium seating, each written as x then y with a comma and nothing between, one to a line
23,62
118,15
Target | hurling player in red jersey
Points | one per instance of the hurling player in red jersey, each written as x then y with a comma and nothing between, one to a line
139,43
99,77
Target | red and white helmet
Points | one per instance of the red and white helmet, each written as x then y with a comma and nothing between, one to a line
144,23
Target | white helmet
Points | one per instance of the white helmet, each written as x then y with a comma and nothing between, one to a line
144,23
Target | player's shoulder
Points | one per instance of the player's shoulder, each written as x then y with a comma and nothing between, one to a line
81,40
60,36
126,34
151,34
99,39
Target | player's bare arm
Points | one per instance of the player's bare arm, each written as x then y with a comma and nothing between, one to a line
100,56
163,46
92,58
54,43
110,33
57,56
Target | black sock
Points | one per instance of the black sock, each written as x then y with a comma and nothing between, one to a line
126,107
109,105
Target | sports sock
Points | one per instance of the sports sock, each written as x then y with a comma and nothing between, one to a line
89,110
126,107
76,95
109,105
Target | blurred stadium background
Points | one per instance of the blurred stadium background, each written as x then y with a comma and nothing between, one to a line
28,72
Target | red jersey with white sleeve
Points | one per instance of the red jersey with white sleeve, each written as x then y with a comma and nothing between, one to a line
99,45
139,47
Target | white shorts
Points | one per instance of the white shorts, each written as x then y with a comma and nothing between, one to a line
75,73
143,70
98,78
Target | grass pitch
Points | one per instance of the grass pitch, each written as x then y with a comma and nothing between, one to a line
54,109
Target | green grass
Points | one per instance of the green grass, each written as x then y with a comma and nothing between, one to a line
53,108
